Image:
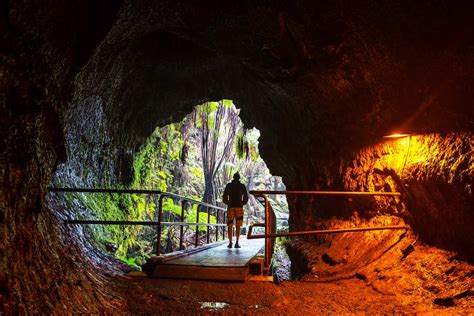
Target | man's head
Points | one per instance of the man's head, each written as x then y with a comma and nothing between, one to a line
236,176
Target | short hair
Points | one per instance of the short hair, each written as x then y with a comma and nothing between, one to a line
236,176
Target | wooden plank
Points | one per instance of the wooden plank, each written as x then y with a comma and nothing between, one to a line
218,263
186,252
222,256
200,273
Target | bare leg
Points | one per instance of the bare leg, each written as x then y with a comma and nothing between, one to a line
237,232
237,235
229,233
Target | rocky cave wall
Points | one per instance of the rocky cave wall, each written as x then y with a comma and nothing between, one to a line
321,81
434,173
43,268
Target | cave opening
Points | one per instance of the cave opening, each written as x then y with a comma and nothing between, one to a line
194,157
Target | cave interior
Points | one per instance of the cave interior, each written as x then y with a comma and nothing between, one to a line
83,84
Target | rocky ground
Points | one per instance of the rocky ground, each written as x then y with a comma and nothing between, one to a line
178,297
385,278
396,265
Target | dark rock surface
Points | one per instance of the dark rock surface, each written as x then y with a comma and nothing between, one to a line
83,83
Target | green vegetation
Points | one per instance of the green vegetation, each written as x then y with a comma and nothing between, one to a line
195,158
280,264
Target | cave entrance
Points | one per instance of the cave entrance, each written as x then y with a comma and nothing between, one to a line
196,157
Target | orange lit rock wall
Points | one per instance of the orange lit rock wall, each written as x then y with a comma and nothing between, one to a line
433,172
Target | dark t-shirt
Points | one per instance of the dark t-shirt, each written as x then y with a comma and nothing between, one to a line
235,194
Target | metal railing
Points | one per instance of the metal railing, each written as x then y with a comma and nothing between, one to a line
159,223
270,222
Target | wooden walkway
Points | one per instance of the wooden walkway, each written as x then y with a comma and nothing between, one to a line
217,263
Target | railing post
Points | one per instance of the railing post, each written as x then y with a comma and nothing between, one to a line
197,227
268,246
208,221
217,222
224,221
158,230
181,227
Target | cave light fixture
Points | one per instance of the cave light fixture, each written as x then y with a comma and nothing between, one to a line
402,137
399,136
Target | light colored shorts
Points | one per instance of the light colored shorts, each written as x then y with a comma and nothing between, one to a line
237,213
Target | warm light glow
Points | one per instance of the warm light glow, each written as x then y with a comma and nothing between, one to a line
396,135
404,151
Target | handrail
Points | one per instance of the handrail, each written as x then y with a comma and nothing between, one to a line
159,223
141,223
270,215
322,231
91,190
132,191
375,193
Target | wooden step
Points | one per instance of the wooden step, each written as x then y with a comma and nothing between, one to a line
201,272
218,263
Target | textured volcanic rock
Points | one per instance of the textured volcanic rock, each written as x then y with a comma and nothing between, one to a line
84,82
436,180
434,174
43,267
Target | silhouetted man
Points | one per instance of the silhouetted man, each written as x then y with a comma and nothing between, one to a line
235,196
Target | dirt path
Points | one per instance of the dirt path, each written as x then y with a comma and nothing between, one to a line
178,297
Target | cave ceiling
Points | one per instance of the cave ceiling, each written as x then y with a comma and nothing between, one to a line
325,76
317,79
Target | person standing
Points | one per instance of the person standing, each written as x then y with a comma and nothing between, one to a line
235,196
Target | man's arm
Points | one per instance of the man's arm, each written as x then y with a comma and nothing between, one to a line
225,196
246,196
